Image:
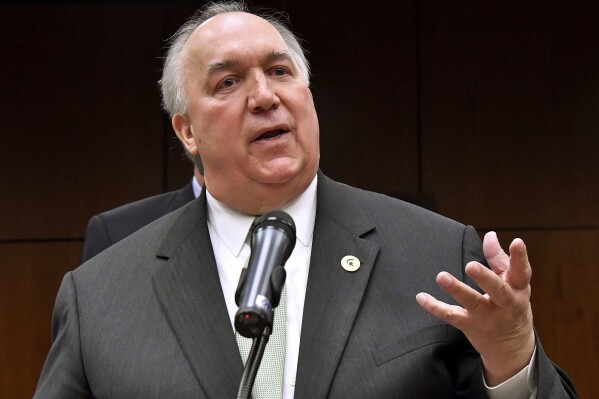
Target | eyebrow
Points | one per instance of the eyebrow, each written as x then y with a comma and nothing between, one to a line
269,57
278,55
224,64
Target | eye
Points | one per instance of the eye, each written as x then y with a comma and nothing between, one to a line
279,71
226,83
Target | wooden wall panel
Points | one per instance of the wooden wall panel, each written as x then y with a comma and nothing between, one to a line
509,111
566,313
364,85
30,274
82,129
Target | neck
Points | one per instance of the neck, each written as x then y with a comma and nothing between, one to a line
260,198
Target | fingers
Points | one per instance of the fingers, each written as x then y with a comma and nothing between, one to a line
499,292
497,258
506,285
453,315
515,265
496,288
519,272
466,296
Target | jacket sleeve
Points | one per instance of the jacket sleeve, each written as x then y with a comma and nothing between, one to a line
63,374
552,382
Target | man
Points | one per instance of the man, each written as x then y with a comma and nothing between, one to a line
152,315
110,227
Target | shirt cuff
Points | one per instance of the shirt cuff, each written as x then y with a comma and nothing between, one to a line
521,386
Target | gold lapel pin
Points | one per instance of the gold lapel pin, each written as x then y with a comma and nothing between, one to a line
350,263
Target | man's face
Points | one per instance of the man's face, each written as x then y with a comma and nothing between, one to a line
250,114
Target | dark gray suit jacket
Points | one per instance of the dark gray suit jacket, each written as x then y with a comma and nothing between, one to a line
107,228
147,317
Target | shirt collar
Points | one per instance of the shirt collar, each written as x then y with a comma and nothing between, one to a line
233,227
197,189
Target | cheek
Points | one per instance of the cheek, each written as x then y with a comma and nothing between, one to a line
307,109
310,122
209,125
218,147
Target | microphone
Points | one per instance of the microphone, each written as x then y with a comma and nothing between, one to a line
261,283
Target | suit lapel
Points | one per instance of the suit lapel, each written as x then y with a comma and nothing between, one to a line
333,294
188,288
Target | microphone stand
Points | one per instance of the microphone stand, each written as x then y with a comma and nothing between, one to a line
252,365
259,343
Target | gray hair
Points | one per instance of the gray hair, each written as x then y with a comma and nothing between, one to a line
174,99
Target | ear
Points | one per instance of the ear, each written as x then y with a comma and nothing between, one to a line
184,130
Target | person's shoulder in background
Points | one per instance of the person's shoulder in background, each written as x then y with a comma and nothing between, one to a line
108,228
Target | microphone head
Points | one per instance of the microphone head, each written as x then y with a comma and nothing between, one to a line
272,241
279,220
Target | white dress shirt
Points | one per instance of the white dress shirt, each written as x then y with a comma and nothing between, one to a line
229,236
229,232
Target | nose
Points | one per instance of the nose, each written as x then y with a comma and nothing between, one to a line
262,96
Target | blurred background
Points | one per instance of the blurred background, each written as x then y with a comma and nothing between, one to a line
486,112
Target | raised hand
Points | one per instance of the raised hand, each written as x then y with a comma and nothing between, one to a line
499,322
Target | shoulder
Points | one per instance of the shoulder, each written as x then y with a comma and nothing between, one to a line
408,238
138,251
109,227
149,208
345,201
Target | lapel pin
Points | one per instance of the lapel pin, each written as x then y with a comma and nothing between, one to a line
350,263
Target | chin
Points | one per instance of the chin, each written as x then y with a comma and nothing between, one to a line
278,178
281,171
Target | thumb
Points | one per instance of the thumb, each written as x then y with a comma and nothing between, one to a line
495,255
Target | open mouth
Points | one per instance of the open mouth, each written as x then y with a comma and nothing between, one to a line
271,134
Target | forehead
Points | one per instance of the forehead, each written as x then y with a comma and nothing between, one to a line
232,35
